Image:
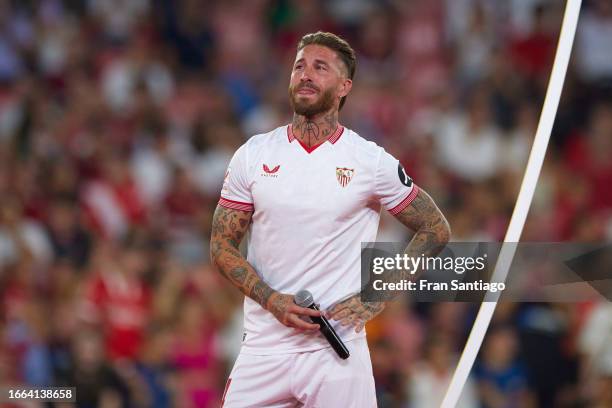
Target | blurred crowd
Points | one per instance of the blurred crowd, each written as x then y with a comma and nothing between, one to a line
119,117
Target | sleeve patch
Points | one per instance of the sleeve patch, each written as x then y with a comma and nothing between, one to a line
403,177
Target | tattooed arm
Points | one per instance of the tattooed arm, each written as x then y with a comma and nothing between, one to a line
228,229
432,232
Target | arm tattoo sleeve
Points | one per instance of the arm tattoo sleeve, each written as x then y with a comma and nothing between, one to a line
228,229
432,231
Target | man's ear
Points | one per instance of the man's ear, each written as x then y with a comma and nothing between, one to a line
345,87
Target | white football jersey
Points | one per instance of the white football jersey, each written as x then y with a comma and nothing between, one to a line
312,209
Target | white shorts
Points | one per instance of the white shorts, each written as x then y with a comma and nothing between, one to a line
311,379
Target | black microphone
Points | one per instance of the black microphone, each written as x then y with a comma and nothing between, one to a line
304,299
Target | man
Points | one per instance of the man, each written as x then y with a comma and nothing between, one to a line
310,193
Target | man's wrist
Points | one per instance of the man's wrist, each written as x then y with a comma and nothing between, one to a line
262,293
269,301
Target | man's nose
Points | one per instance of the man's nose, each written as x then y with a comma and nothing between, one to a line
305,76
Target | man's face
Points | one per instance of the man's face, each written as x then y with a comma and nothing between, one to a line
318,81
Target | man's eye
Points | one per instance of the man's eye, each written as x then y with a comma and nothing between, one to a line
322,67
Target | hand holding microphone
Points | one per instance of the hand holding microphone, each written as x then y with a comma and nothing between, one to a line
289,313
304,299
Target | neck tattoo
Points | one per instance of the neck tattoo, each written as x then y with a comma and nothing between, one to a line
313,131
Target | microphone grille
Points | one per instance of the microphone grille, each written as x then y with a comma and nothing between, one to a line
303,298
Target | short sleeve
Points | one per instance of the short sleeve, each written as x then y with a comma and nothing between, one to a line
236,192
393,187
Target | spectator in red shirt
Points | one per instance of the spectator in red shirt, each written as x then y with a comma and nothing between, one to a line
118,299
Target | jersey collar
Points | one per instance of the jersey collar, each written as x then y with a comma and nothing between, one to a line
332,139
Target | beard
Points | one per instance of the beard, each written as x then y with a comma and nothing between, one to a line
324,103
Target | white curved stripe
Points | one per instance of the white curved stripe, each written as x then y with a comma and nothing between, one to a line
530,178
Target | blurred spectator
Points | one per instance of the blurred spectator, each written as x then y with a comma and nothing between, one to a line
186,26
388,375
36,359
118,300
431,377
153,366
475,46
518,142
70,241
502,380
21,239
589,156
97,382
151,162
118,17
593,41
470,147
596,353
214,146
603,396
533,53
549,360
194,356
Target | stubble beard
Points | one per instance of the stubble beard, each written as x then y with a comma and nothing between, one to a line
310,109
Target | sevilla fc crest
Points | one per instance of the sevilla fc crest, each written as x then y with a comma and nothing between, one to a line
344,175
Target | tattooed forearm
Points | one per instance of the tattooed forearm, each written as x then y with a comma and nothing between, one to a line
312,131
261,293
432,231
228,229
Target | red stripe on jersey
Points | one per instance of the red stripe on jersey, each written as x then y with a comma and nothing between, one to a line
405,202
236,205
310,149
334,138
